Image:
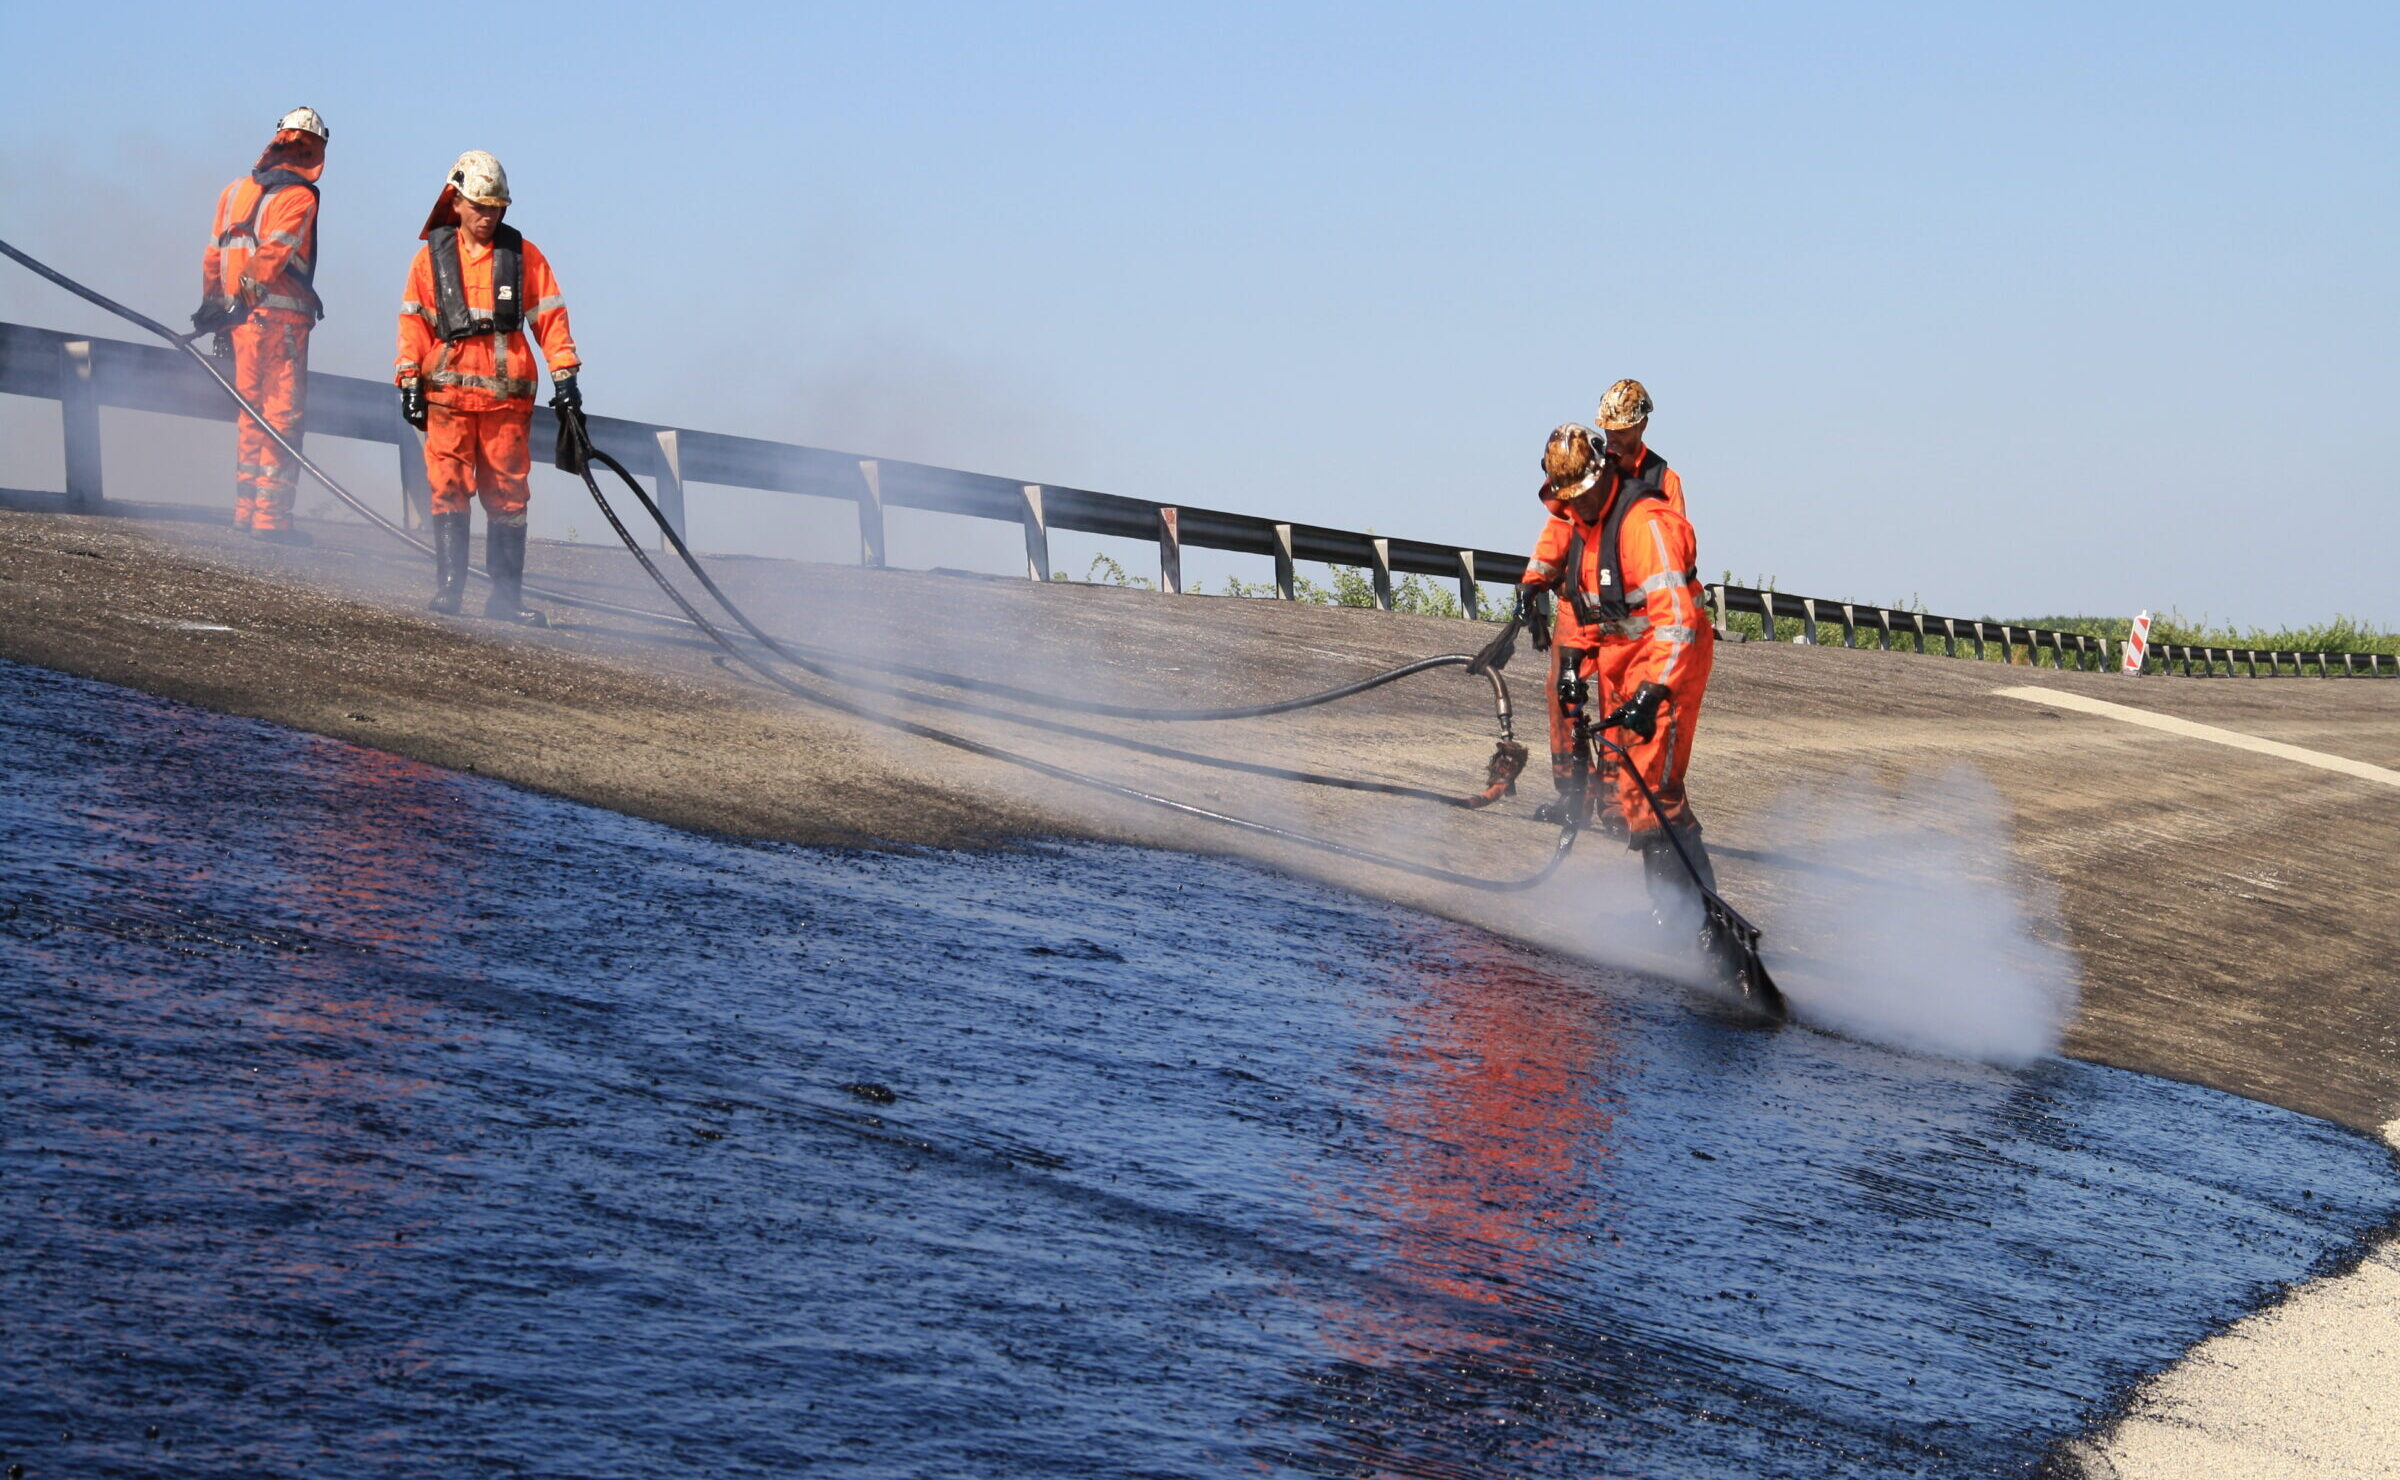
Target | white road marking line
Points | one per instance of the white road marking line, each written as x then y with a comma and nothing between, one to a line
2192,730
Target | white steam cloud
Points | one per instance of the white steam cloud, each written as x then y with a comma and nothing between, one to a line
1910,925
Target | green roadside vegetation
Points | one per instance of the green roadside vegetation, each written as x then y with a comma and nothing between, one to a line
1425,596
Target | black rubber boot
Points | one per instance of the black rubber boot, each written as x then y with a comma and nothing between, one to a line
449,562
1673,895
504,558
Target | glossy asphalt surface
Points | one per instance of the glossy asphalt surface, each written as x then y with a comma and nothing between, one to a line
361,1118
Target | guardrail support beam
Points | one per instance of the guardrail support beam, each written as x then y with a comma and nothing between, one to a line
670,485
870,515
1808,619
1380,553
1286,579
79,420
1037,535
1470,600
1170,551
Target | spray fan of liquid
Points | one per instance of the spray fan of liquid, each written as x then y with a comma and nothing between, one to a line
360,1118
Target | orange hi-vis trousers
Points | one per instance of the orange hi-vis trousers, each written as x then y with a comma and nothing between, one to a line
270,369
1666,757
472,454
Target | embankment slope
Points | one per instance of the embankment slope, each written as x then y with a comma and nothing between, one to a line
2233,913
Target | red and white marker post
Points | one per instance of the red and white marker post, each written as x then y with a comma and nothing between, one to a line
2137,643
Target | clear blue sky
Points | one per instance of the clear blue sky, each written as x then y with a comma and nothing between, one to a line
2018,308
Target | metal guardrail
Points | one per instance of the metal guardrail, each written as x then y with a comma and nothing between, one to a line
84,374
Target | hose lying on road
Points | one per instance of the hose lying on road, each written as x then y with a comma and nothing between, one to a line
823,666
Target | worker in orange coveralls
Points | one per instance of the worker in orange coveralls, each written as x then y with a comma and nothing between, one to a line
466,377
1631,622
257,295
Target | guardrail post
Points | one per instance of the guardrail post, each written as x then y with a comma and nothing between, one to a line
1286,580
2253,656
1379,551
1717,600
416,485
1979,641
870,515
1849,626
670,486
1470,600
1037,535
1917,620
1883,632
79,420
2008,649
1808,620
1170,552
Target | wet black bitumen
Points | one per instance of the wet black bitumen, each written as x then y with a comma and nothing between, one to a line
360,1118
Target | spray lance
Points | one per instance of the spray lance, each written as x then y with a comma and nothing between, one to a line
1727,940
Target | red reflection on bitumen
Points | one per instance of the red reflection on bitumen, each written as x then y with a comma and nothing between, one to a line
1485,1179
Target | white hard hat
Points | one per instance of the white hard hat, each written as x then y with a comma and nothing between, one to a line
305,120
479,178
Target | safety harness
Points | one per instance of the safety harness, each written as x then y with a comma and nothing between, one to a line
1607,607
452,319
301,266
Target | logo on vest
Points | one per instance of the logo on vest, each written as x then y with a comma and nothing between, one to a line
508,290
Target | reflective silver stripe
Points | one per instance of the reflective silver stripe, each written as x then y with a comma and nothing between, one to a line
277,300
547,304
1636,625
1541,567
506,521
283,238
1665,580
1677,637
496,386
500,361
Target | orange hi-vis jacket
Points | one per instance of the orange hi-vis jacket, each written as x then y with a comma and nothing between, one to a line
264,244
1658,544
483,371
1662,636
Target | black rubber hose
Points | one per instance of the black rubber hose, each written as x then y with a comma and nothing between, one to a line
1558,854
1566,837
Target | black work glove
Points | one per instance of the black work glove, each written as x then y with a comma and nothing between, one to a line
1535,616
215,314
1639,713
412,402
566,402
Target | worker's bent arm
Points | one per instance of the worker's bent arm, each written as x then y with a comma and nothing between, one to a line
1659,552
283,232
546,311
416,319
1549,560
